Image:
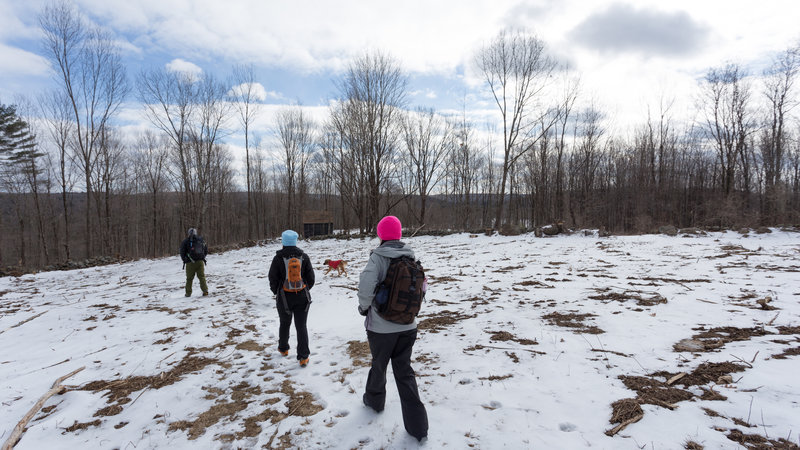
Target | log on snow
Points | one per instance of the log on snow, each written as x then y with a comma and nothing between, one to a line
17,433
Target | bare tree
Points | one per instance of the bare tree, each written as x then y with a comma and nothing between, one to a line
779,81
427,144
726,97
516,69
150,159
57,118
371,95
91,74
295,132
246,100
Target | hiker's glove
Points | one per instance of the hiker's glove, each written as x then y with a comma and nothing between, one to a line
362,311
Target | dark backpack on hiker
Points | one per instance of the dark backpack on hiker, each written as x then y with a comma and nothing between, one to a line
197,249
400,296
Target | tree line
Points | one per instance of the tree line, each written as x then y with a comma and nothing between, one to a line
76,186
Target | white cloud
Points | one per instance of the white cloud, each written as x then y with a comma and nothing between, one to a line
182,66
18,62
256,89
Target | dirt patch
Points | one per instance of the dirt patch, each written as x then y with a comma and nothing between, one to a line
300,403
788,330
535,283
360,353
624,410
252,425
573,321
442,320
496,377
654,392
197,427
503,336
508,269
442,279
714,338
786,353
250,345
81,426
651,300
240,396
163,341
709,373
112,410
119,390
756,441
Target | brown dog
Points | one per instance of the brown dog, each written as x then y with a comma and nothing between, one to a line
339,265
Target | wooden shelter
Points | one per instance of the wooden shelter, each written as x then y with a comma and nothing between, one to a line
316,223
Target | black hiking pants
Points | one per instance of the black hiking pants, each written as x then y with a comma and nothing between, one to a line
298,308
397,348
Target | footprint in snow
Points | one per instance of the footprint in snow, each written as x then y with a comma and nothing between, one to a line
567,427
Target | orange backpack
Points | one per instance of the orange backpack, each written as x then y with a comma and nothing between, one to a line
294,280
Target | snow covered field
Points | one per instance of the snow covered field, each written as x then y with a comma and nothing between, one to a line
524,342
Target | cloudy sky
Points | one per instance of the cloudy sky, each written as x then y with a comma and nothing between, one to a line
628,53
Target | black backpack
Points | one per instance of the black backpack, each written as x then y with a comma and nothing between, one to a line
399,297
197,249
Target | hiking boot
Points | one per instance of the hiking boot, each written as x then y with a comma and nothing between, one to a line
366,403
303,362
187,295
284,352
205,294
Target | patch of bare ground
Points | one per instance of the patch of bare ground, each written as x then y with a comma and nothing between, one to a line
496,377
442,320
359,353
652,390
241,396
795,351
250,345
503,336
301,403
654,298
508,269
715,338
81,426
119,391
731,250
692,445
655,392
197,427
788,329
756,441
774,268
444,279
573,321
705,373
112,410
536,283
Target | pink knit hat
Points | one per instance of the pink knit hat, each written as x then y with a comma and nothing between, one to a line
390,228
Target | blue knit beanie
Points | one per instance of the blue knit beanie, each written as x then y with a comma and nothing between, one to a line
289,238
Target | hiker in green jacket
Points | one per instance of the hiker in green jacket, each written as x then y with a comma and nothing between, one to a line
193,253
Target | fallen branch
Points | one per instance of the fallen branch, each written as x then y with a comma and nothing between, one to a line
18,430
773,319
23,322
622,426
610,351
676,378
740,359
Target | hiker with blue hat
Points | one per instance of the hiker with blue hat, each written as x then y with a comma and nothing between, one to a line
291,277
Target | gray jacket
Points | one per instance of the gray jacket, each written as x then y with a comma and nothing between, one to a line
374,274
